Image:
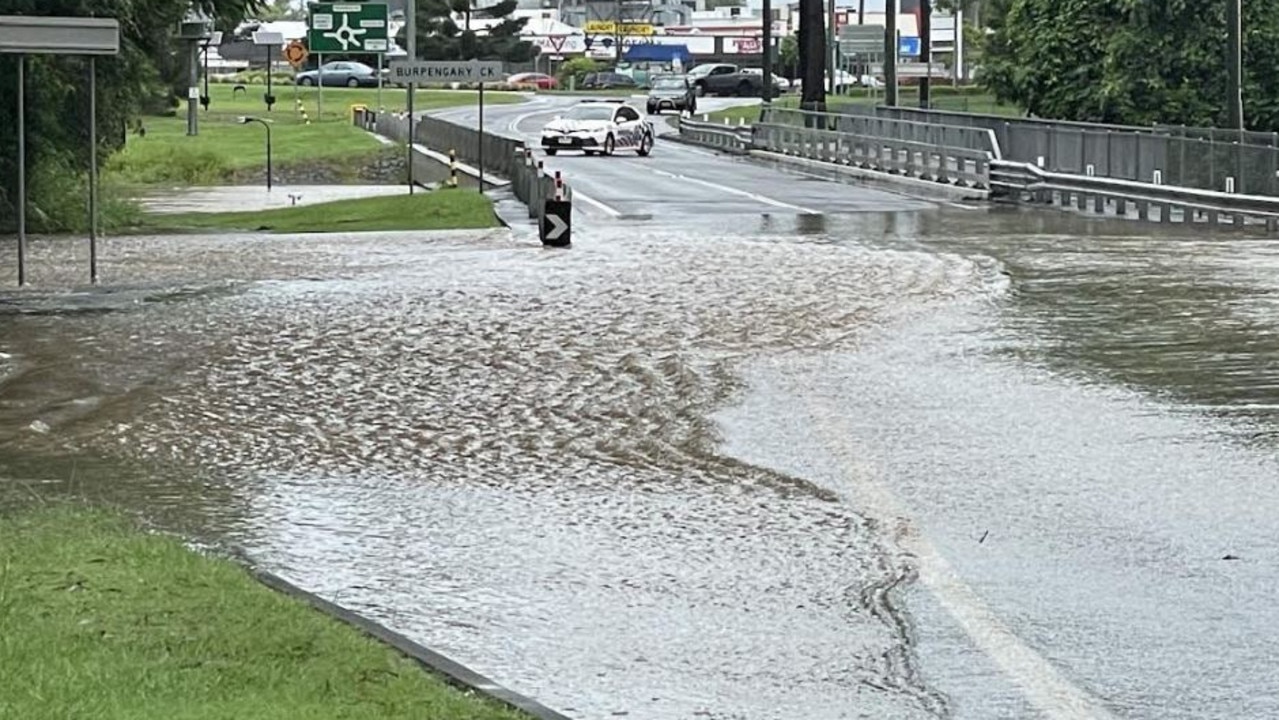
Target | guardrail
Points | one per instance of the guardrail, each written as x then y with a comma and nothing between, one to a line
910,131
504,157
1153,202
721,136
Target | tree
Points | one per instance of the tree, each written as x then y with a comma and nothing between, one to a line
57,115
440,38
1130,61
788,56
281,10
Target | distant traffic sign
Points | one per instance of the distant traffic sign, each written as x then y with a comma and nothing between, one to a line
296,53
861,40
908,46
347,28
422,72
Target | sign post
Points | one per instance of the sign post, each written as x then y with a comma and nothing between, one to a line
23,35
414,72
269,40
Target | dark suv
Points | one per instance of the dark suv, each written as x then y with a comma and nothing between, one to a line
607,81
671,92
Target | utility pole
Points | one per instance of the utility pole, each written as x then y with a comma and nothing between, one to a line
890,53
766,63
812,55
833,50
1234,64
926,47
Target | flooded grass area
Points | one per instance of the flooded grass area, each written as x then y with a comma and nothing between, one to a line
99,618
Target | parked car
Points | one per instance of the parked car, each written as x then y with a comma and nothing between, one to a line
607,81
780,84
340,73
671,92
725,79
539,81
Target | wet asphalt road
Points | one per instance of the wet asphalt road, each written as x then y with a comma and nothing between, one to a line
899,460
679,182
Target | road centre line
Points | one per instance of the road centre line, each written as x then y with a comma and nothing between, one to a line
735,191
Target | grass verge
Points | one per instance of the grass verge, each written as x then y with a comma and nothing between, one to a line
446,209
100,620
167,155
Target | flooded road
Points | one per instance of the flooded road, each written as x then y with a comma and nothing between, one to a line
914,464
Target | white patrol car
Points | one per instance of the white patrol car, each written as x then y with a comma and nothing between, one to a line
599,127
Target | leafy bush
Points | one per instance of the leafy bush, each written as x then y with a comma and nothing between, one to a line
577,69
184,166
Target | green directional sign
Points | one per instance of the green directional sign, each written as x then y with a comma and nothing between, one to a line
347,28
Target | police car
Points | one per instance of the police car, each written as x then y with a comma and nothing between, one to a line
599,127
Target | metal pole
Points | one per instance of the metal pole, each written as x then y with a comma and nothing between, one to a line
1234,65
766,62
480,153
206,98
832,67
269,169
379,82
193,89
319,88
22,170
93,170
890,53
270,99
411,12
926,47
959,46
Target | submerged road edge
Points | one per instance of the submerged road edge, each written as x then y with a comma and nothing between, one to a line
452,671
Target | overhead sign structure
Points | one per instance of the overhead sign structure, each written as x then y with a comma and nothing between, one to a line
861,40
24,35
347,28
608,27
425,72
557,220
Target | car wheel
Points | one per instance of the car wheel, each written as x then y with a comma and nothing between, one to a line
652,110
551,151
307,81
588,153
699,89
353,83
645,146
609,145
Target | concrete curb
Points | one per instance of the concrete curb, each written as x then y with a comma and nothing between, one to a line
915,187
454,672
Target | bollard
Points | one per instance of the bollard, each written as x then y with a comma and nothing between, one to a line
452,168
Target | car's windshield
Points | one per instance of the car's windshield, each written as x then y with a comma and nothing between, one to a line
668,83
590,112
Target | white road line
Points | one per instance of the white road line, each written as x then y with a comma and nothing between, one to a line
1055,695
735,191
611,212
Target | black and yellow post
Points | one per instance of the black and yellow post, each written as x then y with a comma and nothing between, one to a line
452,168
306,119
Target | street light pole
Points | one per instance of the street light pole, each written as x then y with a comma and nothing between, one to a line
245,120
1234,64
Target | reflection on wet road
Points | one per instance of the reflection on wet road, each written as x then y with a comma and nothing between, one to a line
911,463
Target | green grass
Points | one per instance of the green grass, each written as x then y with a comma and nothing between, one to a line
445,209
166,155
99,620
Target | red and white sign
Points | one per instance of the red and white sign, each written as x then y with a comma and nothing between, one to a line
747,45
558,44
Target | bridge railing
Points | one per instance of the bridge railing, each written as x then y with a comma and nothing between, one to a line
1202,158
721,136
